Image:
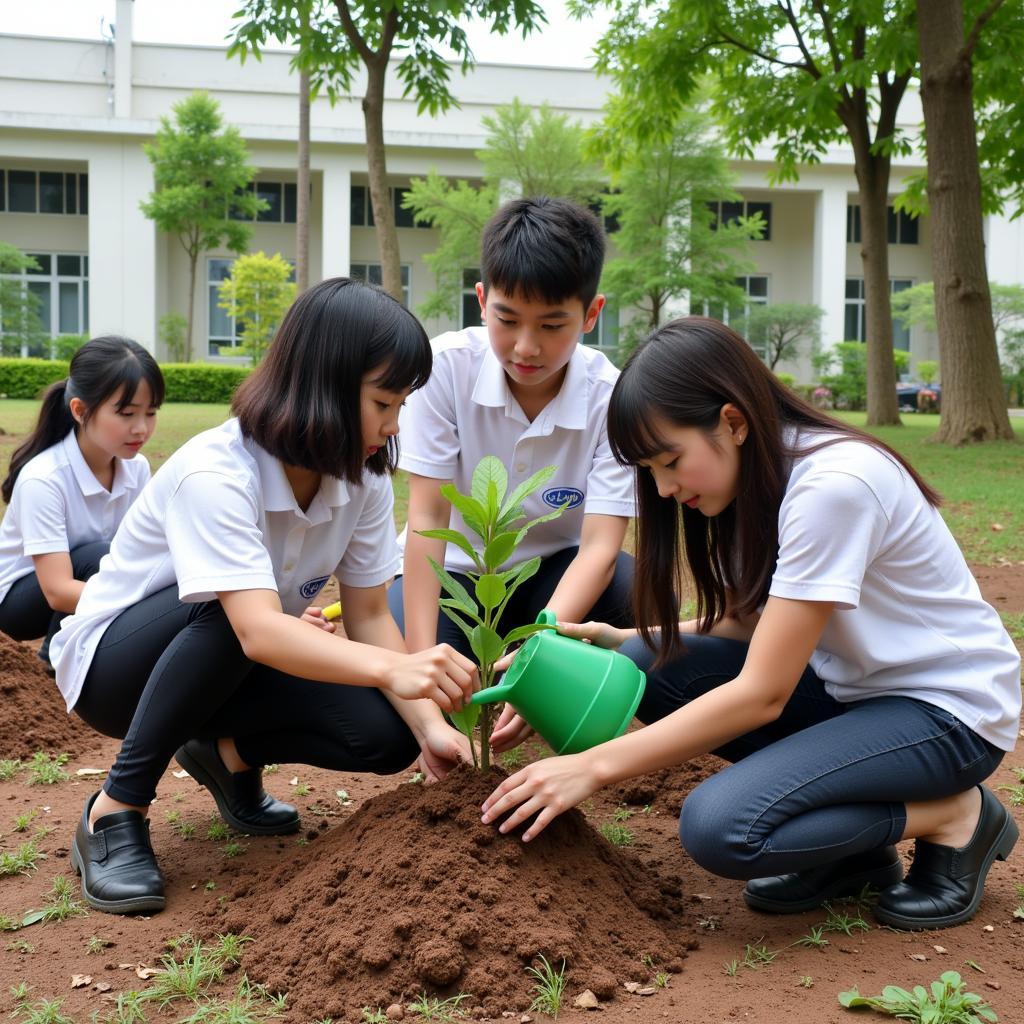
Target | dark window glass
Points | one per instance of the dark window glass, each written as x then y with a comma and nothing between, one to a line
403,217
358,206
85,307
765,209
43,259
69,266
270,192
713,208
67,308
757,287
908,229
3,190
83,193
854,288
22,194
71,193
470,311
234,213
51,192
85,266
42,291
853,224
291,203
731,212
470,276
851,322
893,225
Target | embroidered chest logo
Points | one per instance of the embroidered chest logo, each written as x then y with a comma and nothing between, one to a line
313,587
556,497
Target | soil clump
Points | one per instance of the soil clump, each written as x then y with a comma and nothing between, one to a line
414,894
34,717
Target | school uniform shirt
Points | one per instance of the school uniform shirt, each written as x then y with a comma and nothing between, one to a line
220,515
59,505
910,621
466,411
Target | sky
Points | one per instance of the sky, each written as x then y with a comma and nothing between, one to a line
563,43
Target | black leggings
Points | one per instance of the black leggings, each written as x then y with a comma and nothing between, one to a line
25,615
166,672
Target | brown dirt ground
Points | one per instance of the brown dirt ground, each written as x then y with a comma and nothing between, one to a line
341,918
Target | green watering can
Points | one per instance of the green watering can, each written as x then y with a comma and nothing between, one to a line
573,694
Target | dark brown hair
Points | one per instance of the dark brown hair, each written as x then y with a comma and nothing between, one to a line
684,374
542,248
102,367
301,404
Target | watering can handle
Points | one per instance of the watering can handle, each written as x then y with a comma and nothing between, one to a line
495,693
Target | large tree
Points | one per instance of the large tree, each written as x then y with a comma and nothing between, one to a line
202,175
335,39
800,76
973,399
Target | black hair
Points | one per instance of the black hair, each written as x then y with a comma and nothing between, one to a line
543,248
684,374
100,368
302,403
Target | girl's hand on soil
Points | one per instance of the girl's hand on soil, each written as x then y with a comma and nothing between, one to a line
545,789
315,616
438,673
600,634
510,730
441,749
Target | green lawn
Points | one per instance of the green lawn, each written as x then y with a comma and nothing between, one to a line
981,485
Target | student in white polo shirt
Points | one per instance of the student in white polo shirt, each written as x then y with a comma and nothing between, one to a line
71,482
196,638
842,656
524,389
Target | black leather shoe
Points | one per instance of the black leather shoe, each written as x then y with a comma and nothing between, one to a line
241,799
119,871
804,890
944,884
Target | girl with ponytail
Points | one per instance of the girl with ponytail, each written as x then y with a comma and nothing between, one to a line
71,482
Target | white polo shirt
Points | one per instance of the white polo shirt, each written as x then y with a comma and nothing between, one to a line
59,505
910,620
466,411
220,515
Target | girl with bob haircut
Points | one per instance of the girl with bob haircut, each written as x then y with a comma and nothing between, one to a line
72,481
196,639
841,657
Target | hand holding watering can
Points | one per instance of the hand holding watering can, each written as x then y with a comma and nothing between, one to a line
573,694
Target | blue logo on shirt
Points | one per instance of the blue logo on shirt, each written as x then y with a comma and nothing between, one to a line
313,587
556,497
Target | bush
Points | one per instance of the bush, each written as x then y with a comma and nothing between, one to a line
66,345
28,378
786,378
202,382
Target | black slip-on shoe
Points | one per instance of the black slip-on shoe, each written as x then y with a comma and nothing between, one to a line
804,890
945,884
119,871
240,797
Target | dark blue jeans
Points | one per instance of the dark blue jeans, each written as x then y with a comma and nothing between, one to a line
614,605
823,781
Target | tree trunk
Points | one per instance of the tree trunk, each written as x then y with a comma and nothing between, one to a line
383,214
973,403
873,180
193,260
302,190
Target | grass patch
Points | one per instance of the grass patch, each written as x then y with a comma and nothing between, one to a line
21,861
44,770
549,987
616,834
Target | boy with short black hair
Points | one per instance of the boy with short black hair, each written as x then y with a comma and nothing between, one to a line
522,388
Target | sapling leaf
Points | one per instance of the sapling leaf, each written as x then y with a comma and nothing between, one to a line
489,471
522,632
450,608
490,591
453,587
526,488
469,508
508,518
487,645
453,537
544,519
523,572
465,720
500,548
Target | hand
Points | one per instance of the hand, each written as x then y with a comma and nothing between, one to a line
315,616
600,634
439,674
545,788
441,749
510,730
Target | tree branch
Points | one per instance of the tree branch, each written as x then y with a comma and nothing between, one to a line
787,9
351,31
830,36
724,37
980,22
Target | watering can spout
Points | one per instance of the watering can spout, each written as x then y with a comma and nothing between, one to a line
491,694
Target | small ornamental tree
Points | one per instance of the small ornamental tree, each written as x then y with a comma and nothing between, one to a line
257,294
19,308
493,518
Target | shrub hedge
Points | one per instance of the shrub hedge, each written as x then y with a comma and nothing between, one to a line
186,382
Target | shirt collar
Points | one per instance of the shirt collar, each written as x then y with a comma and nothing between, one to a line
278,495
84,476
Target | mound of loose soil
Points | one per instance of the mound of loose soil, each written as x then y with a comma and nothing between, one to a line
414,894
34,717
667,788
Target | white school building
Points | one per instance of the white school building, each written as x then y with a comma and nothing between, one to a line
74,114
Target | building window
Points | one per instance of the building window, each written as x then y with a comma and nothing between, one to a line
469,311
605,335
361,215
60,284
224,335
281,198
371,273
730,212
902,229
854,321
44,192
755,293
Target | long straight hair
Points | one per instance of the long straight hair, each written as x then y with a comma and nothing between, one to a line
684,374
102,367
